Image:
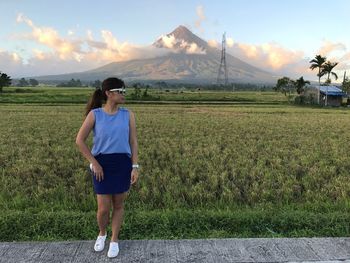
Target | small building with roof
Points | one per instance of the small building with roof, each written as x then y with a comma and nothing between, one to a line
329,95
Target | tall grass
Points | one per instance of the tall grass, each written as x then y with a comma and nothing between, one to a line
228,170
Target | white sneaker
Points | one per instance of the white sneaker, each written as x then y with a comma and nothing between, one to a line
100,243
113,250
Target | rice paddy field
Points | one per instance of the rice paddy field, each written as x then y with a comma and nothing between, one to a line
257,167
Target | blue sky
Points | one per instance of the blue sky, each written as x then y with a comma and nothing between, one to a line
52,37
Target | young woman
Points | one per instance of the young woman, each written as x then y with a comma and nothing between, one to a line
113,158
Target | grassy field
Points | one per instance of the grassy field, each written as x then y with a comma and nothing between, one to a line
49,95
240,170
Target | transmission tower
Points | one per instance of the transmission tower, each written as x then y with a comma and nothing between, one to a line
223,67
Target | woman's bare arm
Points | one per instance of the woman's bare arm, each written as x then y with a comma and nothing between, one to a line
133,139
83,133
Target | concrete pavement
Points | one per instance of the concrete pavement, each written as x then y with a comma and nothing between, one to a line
204,250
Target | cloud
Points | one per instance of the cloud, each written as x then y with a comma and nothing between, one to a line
329,47
108,49
229,42
271,57
213,43
169,41
49,37
336,52
89,35
292,63
200,17
10,62
68,54
193,48
180,45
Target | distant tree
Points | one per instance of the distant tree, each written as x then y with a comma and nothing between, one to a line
23,83
145,93
33,82
5,80
71,83
136,94
78,83
284,85
300,84
74,83
161,84
328,70
97,83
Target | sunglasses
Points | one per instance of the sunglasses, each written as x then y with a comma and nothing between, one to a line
119,91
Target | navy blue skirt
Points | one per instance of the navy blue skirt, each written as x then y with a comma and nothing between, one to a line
117,169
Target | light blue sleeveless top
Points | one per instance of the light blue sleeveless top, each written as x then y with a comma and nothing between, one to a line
111,132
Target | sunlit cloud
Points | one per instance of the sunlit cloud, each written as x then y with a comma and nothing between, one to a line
169,41
180,45
69,53
345,59
10,62
108,50
336,52
329,47
229,42
78,54
89,35
200,17
38,54
193,48
49,37
249,51
272,55
293,63
213,43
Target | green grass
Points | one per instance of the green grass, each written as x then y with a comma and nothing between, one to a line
206,171
49,95
176,224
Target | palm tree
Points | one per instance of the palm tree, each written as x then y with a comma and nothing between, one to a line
318,62
300,84
328,69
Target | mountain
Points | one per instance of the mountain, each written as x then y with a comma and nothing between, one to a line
185,58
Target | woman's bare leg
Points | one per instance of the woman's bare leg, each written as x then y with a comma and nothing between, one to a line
103,208
117,215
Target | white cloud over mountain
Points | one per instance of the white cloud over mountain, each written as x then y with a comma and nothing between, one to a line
180,45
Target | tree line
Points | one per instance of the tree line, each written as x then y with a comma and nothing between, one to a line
324,67
24,83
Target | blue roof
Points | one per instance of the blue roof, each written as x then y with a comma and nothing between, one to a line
331,90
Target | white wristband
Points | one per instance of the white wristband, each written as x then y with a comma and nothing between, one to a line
136,166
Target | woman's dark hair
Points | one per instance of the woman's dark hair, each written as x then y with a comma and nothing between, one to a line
99,95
